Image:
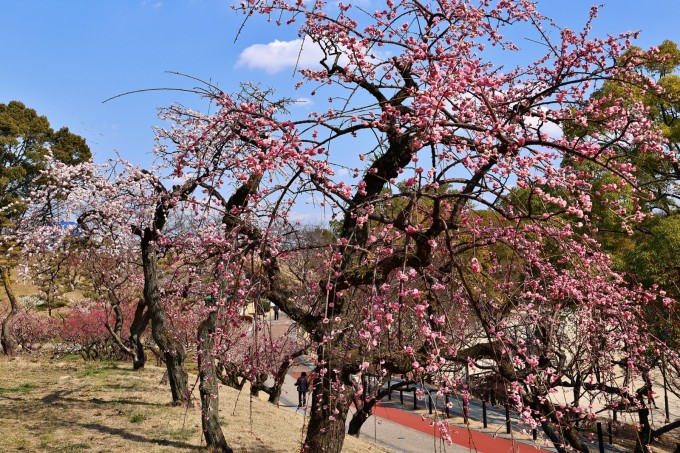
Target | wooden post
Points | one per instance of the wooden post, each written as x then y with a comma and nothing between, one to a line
484,413
389,390
401,396
508,427
600,438
665,389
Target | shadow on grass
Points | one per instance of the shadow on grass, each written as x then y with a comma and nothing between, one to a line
59,395
64,396
138,438
99,401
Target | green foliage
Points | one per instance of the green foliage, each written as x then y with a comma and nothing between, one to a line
659,177
656,256
58,303
655,260
25,140
23,388
182,433
74,448
670,64
263,306
651,256
136,417
104,368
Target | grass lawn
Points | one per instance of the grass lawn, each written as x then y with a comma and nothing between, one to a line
68,405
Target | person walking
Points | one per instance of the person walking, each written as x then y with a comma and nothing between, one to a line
276,312
302,386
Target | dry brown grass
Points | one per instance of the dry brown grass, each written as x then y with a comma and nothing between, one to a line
68,405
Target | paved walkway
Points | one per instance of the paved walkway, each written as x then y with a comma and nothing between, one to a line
404,430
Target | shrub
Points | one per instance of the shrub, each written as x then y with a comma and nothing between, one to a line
32,330
83,331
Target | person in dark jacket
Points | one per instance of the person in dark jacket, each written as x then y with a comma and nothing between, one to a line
301,384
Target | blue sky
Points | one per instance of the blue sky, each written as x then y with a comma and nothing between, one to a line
63,58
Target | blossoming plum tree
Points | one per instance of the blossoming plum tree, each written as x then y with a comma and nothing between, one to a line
435,260
414,84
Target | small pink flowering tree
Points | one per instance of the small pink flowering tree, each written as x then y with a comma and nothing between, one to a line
85,330
111,208
32,331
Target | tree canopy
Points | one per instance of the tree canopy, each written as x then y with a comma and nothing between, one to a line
26,138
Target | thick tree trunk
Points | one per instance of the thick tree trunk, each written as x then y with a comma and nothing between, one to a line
259,384
573,438
172,350
210,403
331,397
566,439
364,405
230,378
644,439
275,394
364,408
358,419
137,329
275,390
9,344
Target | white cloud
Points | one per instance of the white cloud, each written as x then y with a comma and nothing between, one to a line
301,53
318,216
303,102
152,4
553,130
279,55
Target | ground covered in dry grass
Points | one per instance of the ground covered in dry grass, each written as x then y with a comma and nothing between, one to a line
68,405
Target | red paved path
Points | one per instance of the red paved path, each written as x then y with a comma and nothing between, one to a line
474,440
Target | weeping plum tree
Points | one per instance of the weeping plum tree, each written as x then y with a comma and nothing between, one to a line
444,133
413,86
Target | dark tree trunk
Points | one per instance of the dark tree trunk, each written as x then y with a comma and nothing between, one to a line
259,384
275,390
230,378
118,326
573,438
359,418
9,344
644,438
367,402
210,403
554,437
275,394
173,351
568,438
137,329
326,430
